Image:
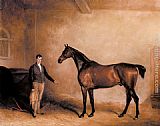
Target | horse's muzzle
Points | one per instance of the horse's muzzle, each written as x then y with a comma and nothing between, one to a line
59,60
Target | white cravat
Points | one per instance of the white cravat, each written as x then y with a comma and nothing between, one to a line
40,67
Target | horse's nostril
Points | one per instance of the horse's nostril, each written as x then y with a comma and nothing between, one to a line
59,61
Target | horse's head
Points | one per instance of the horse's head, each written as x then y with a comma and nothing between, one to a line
67,53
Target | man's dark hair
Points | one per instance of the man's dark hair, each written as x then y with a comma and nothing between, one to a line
38,56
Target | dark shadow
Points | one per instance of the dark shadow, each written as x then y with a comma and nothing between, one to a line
14,88
115,109
109,107
112,111
65,104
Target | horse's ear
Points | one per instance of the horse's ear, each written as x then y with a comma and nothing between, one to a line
65,45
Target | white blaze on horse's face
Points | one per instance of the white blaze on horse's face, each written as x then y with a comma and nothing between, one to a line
60,59
67,53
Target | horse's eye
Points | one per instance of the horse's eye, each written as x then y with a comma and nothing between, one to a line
64,55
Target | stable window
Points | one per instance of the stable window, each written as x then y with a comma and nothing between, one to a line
4,43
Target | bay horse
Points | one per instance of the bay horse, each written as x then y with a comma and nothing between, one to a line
92,75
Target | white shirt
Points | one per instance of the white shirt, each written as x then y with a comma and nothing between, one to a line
40,67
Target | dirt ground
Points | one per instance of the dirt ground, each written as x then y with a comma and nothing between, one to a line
65,113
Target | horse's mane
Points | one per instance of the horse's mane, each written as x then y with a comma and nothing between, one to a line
81,55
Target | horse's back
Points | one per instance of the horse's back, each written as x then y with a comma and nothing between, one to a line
126,68
99,76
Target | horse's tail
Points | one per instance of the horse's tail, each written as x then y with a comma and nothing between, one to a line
141,70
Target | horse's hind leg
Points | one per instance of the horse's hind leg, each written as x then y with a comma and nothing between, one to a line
136,100
128,100
84,93
90,91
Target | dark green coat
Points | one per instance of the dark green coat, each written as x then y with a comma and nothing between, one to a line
37,76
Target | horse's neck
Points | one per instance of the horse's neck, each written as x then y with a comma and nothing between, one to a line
79,63
80,59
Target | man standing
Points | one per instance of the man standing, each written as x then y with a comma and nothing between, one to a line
38,73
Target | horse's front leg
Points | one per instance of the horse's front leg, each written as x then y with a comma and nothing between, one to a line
91,96
84,93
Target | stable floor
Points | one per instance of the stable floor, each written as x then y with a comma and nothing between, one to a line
64,113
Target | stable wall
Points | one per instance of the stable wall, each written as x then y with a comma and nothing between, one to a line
12,20
106,36
20,25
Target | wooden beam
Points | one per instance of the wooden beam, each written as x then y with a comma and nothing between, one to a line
83,6
142,5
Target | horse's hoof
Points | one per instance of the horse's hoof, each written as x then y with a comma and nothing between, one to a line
91,115
135,118
81,116
121,115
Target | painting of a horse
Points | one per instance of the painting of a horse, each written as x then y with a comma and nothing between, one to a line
92,75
